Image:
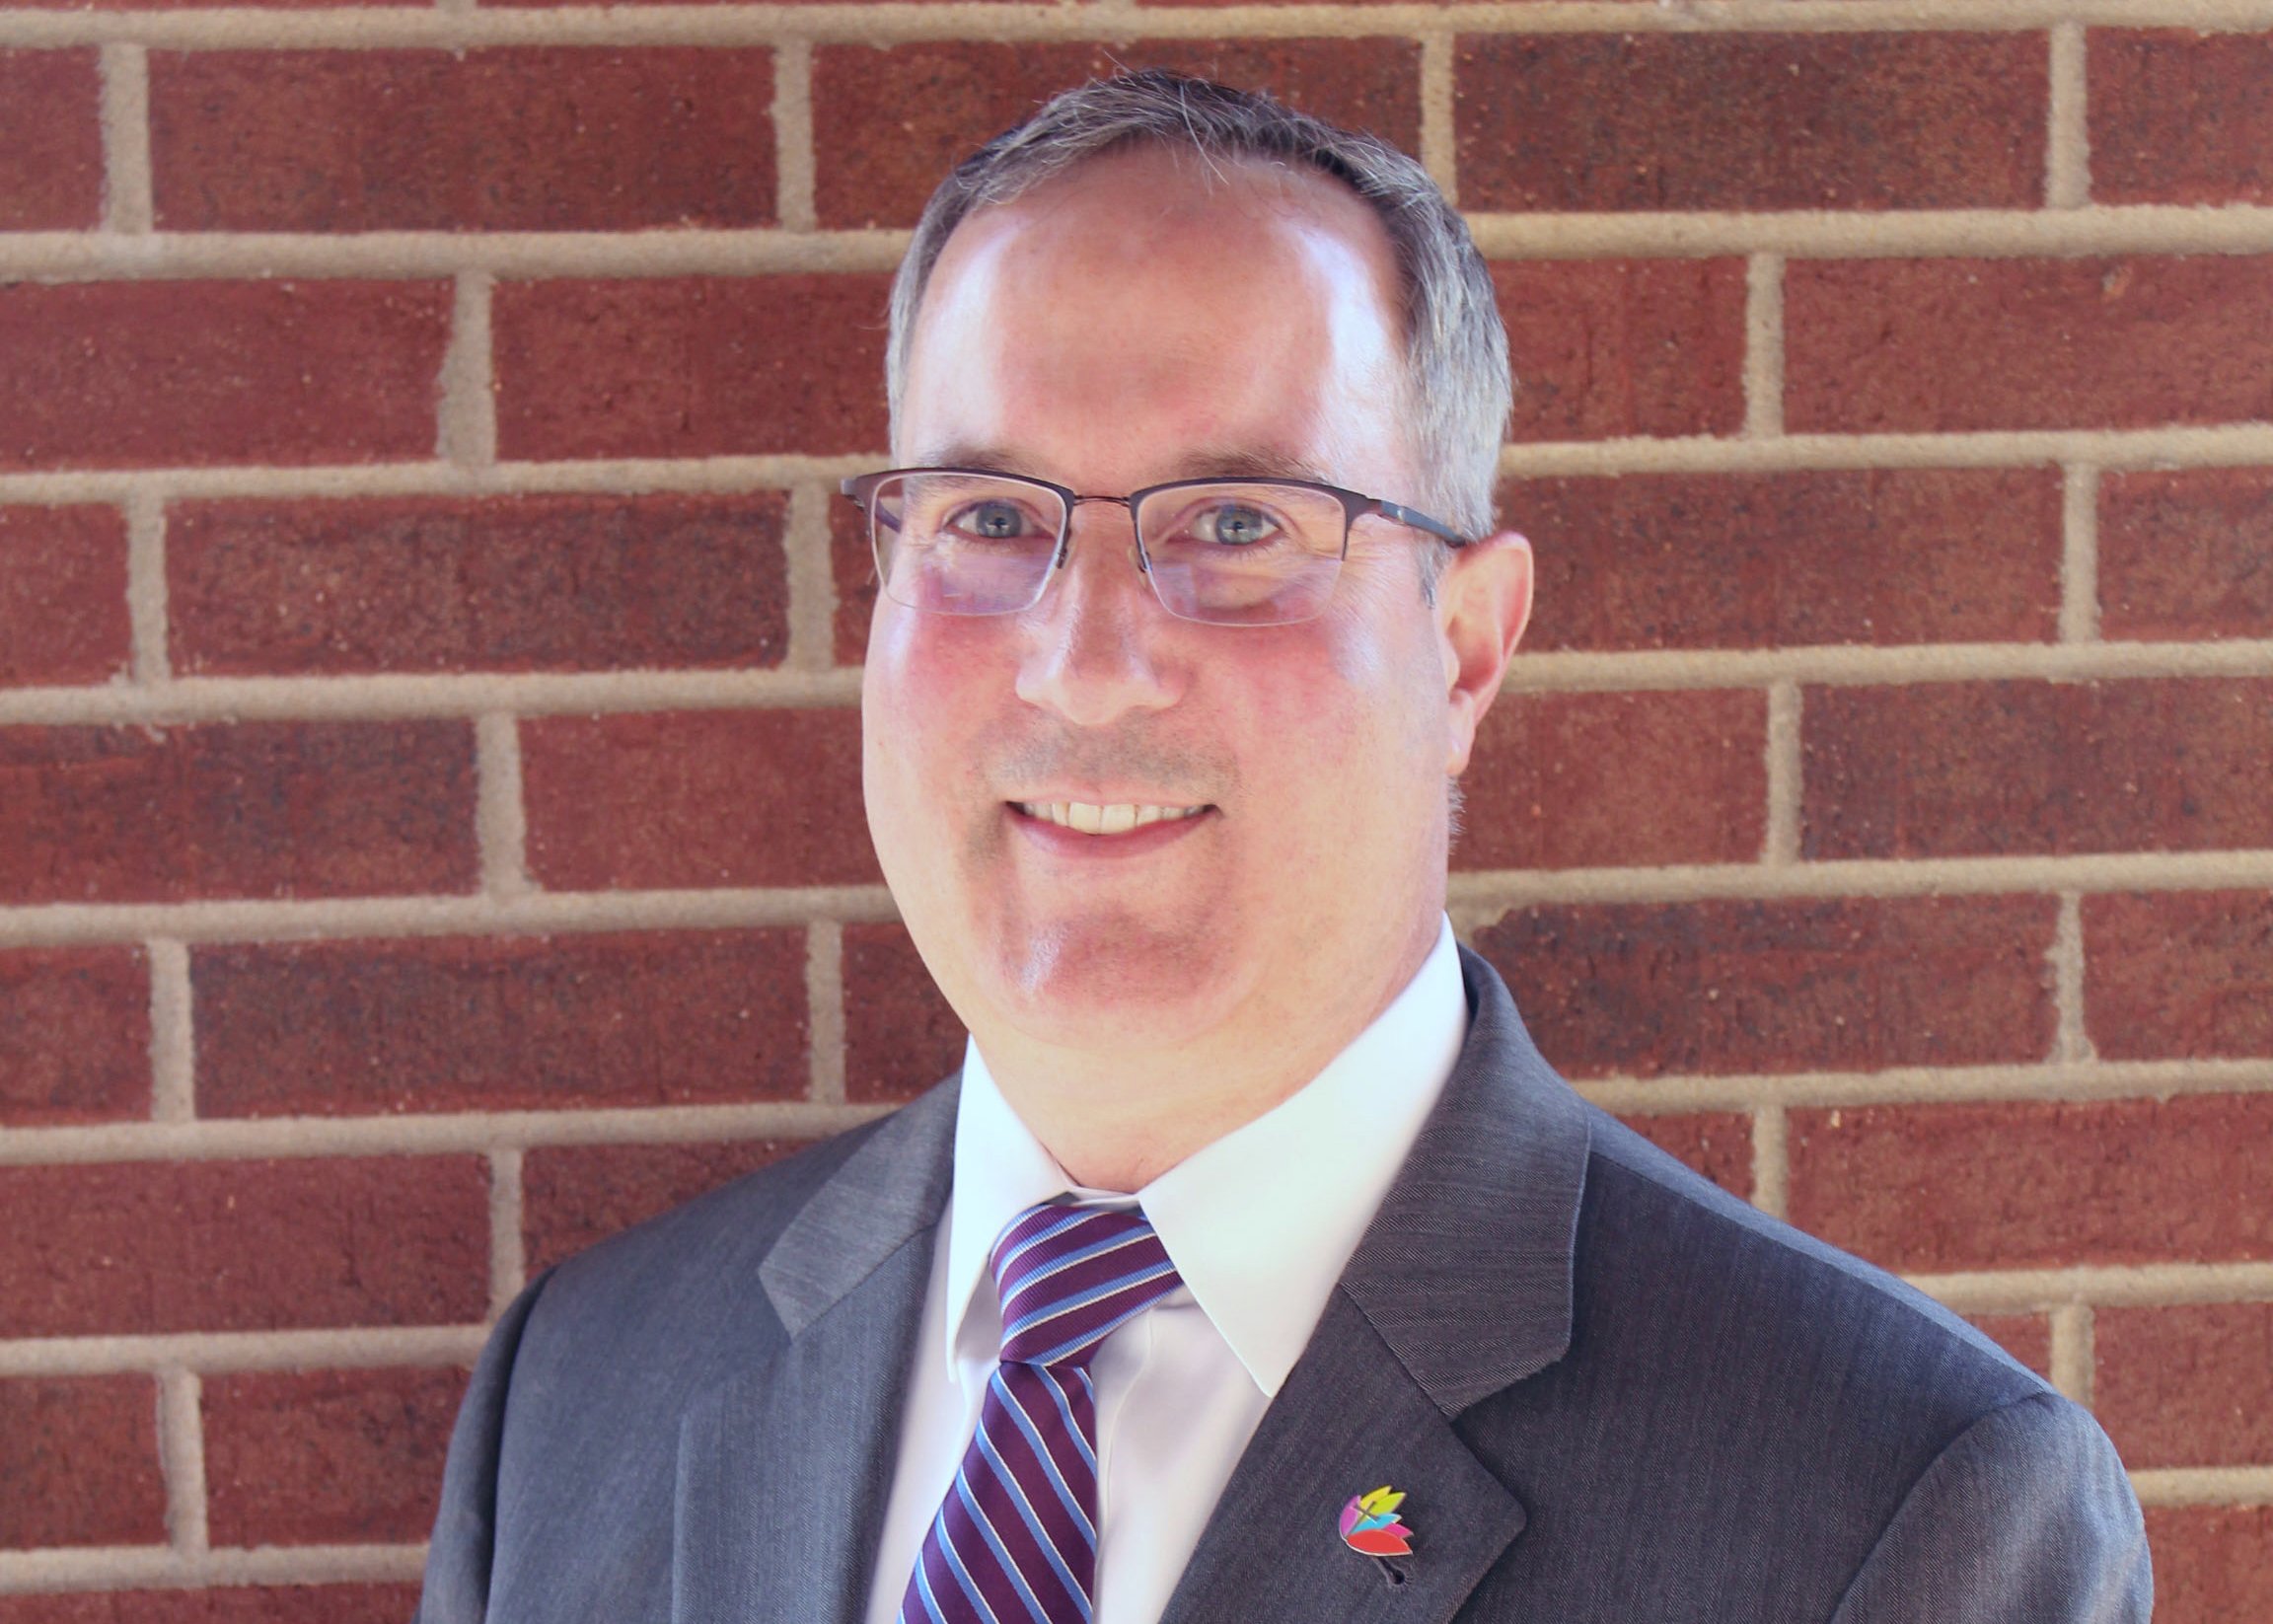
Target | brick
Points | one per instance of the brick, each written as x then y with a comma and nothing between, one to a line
63,595
1765,560
539,583
1579,781
2213,1564
1842,984
899,1035
635,5
1606,350
575,1196
889,123
2037,1185
487,140
343,1028
1717,1144
2185,1386
74,1035
258,809
2187,553
2179,974
281,1604
311,1457
1603,122
853,565
1949,346
1354,5
2179,116
1973,769
51,140
82,1462
173,5
695,798
690,366
143,374
129,1247
2026,1337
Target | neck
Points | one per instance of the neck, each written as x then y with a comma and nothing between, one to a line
1118,1116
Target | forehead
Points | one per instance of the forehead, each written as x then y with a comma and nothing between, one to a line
1150,306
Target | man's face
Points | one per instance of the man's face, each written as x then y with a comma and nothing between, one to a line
1122,325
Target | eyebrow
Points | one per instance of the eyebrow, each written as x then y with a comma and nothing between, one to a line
1230,463
1249,464
985,458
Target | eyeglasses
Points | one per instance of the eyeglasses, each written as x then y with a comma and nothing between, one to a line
958,541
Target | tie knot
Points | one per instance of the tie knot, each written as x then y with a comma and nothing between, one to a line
1069,1276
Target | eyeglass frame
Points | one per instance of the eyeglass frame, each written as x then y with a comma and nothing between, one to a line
860,489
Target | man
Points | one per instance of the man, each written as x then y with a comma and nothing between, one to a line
1256,1266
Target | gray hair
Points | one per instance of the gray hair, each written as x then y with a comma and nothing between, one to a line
1455,349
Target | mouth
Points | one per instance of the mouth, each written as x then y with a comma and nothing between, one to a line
1091,818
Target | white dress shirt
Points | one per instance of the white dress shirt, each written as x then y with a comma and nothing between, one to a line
1260,1226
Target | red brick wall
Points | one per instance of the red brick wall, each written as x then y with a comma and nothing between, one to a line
430,815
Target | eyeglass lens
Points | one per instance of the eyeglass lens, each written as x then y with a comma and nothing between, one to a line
1239,553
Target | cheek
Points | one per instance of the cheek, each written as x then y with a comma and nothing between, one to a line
924,670
1388,673
1339,726
922,699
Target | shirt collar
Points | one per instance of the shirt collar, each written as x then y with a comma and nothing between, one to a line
1000,1171
1261,1223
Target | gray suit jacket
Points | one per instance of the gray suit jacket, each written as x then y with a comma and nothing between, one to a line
1610,1391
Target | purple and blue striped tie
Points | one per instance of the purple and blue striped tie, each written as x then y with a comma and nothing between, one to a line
1015,1541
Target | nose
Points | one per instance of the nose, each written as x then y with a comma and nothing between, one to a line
1097,647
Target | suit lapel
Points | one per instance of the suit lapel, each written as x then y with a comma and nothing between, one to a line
1466,1270
1461,1287
1349,1419
783,1468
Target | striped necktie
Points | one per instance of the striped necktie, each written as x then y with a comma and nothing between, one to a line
1015,1541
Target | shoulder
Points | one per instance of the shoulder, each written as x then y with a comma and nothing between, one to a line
1663,1254
1686,1242
636,1324
682,1278
2025,1516
1753,1413
563,1465
563,1455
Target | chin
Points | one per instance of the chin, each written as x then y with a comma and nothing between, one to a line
1115,983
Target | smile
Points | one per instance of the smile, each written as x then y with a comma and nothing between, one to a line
1090,819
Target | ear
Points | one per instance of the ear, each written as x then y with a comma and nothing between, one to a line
1483,603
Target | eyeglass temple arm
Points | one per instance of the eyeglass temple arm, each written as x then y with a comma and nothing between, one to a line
1420,521
859,488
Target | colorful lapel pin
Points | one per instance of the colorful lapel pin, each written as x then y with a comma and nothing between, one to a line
1369,1523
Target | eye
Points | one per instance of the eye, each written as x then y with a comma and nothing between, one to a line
992,521
1234,525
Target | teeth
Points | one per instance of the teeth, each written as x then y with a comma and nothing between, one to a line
1090,819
